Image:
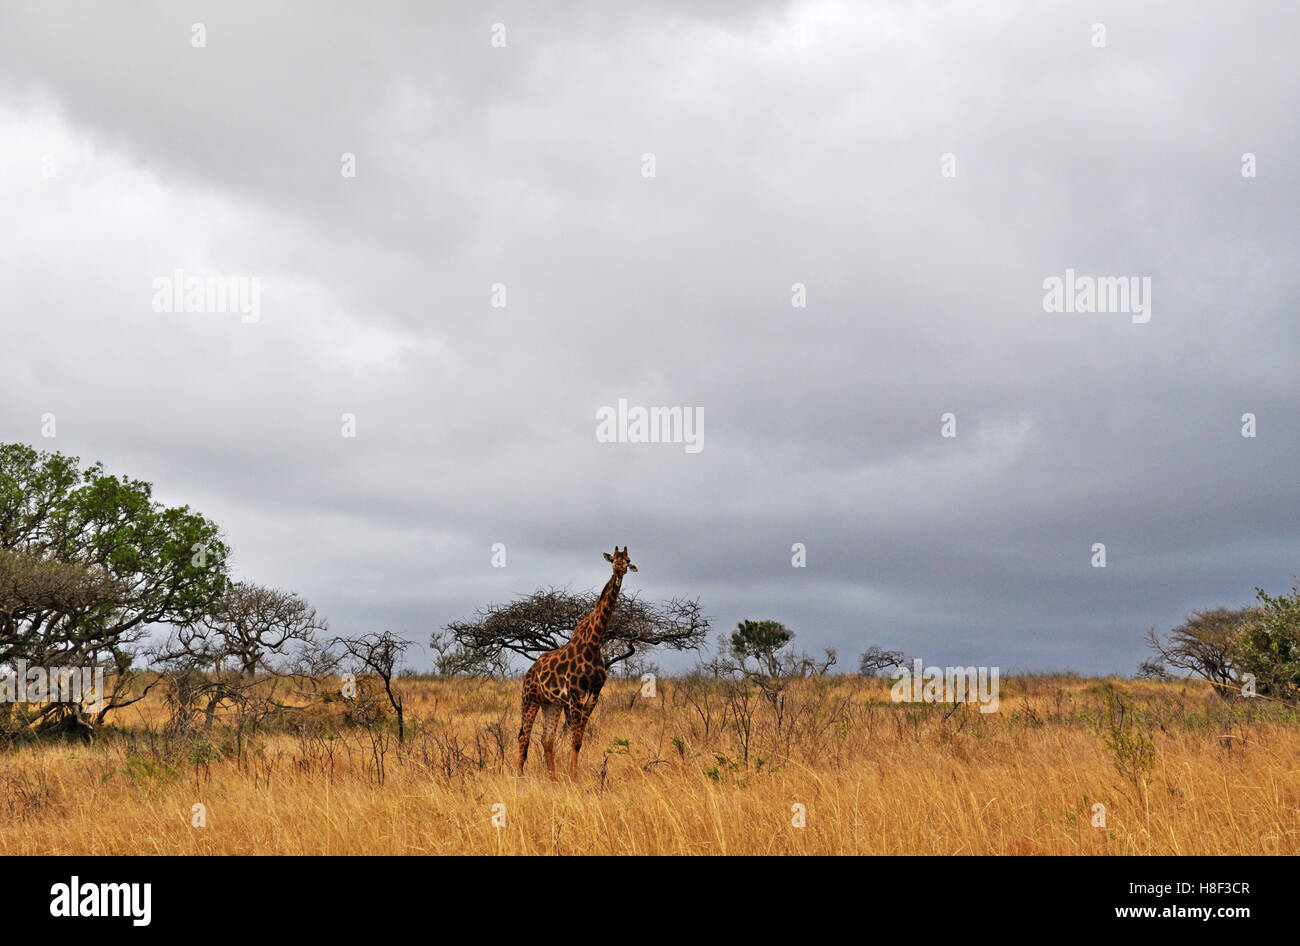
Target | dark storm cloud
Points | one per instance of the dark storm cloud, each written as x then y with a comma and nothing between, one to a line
776,164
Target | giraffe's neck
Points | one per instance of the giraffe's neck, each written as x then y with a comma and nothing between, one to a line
590,631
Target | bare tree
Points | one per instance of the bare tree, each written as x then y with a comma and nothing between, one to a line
875,661
236,654
252,621
381,655
455,659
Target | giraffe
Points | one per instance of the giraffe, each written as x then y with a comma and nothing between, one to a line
569,678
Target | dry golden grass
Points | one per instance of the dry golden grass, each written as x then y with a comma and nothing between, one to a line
874,778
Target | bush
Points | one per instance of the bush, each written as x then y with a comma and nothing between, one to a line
1270,646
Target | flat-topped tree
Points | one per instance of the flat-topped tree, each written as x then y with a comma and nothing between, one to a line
530,626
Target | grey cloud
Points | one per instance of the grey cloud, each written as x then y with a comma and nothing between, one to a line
775,165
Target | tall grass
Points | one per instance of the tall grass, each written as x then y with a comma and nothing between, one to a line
698,769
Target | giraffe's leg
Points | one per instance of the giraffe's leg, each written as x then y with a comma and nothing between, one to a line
530,708
581,712
573,723
550,723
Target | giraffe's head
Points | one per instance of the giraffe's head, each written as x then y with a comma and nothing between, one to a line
622,563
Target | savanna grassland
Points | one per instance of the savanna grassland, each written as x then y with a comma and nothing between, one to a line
704,767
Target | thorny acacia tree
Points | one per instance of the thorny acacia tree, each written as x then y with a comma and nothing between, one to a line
1207,644
545,620
875,660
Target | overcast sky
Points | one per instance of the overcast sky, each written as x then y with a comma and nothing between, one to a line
792,143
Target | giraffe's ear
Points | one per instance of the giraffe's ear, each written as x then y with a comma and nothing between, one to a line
608,557
631,567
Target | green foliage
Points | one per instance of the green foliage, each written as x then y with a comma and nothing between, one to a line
1270,647
141,770
1133,749
725,766
88,560
619,747
762,641
1224,646
202,752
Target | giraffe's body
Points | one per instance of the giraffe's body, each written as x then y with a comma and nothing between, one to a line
568,680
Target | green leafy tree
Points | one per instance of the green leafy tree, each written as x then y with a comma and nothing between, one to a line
89,562
1270,647
761,641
